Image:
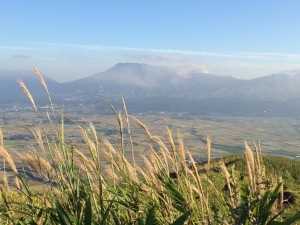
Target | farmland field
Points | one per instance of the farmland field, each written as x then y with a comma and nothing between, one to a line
279,136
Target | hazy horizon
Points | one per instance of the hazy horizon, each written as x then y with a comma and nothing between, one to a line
77,61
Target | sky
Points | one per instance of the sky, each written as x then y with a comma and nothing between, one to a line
70,39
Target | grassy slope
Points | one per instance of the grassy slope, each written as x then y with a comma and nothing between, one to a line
289,169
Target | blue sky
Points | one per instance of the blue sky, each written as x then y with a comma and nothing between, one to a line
69,39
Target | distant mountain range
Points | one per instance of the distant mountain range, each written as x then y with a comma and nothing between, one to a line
10,92
153,88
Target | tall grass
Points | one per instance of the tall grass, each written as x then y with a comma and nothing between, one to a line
98,184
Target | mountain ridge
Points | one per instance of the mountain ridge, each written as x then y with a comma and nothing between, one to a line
162,86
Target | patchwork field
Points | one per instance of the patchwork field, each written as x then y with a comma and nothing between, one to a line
279,136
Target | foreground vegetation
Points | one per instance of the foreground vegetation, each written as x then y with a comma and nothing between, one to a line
103,183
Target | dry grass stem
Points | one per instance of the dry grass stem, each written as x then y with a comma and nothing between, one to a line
27,93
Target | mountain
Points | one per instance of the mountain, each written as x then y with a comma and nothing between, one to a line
10,91
154,88
128,79
278,87
141,80
136,80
